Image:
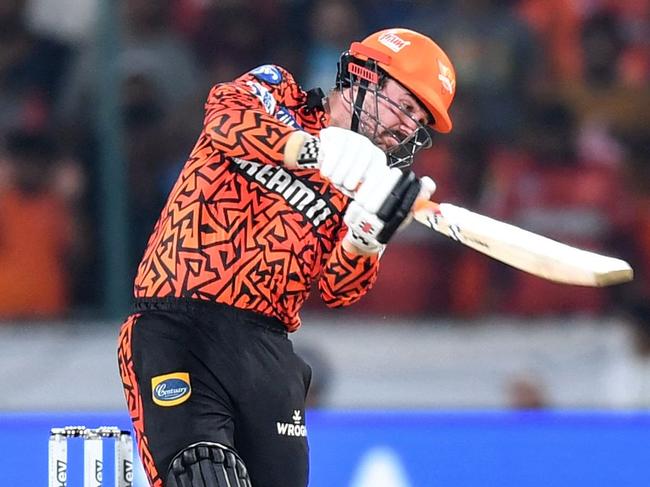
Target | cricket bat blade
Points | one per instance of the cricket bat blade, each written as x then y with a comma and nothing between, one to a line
521,248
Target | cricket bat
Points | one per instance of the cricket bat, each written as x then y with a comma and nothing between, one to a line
507,243
522,249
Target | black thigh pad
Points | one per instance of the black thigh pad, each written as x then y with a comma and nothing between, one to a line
207,464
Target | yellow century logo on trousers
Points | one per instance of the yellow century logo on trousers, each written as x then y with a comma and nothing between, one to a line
171,389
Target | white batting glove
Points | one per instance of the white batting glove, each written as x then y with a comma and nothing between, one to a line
382,206
364,225
346,157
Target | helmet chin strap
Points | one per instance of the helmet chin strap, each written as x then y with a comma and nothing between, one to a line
370,66
358,105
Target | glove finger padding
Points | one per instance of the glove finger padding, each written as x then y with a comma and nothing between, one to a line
330,152
382,203
344,157
378,185
357,170
397,206
363,227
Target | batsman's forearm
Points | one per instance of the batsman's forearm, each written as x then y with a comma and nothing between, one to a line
301,151
354,250
347,277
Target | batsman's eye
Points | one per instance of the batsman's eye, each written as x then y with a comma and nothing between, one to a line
400,136
407,107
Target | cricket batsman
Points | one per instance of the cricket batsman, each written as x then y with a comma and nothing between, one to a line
283,188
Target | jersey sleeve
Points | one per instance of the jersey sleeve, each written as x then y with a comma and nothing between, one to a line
240,115
347,277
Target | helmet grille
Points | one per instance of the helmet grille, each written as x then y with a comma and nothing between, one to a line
365,77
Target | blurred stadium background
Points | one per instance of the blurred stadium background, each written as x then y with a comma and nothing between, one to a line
455,370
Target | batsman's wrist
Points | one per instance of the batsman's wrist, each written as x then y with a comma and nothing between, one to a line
308,154
354,245
301,151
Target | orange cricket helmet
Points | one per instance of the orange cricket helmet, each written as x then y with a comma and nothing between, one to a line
416,62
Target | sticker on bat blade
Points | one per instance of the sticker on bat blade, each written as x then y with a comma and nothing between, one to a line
455,232
452,230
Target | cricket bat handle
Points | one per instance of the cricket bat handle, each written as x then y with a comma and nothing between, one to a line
422,205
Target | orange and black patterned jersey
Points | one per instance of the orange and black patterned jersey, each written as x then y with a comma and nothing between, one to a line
241,229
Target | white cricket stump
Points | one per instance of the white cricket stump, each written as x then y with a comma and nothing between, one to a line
124,460
93,448
58,458
93,459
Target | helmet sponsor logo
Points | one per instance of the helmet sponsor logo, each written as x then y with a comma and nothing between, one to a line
171,389
269,73
364,73
393,42
446,77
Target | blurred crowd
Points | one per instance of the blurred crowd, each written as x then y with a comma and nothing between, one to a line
552,133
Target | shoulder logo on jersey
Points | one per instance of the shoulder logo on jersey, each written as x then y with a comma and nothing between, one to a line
171,389
265,96
270,105
295,192
269,73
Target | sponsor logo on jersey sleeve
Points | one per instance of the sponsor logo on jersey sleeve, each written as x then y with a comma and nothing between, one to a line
284,116
269,73
264,95
171,389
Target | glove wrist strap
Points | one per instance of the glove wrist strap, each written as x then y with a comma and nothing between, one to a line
308,154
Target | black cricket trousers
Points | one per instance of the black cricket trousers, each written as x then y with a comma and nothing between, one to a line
200,371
